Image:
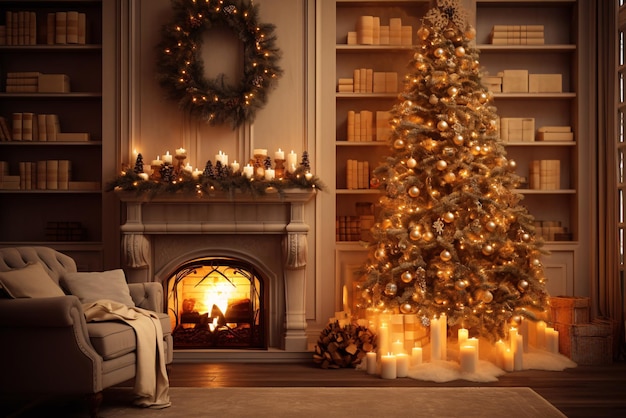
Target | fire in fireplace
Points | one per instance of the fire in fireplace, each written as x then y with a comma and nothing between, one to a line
217,302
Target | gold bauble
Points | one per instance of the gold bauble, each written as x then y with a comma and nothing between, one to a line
445,255
522,285
487,296
406,308
512,165
452,91
491,226
525,237
380,254
460,284
415,234
434,194
414,191
459,51
448,217
406,277
482,97
458,140
439,52
488,249
449,177
398,143
411,162
387,224
423,33
476,149
442,125
428,236
391,289
441,165
470,33
448,33
535,262
433,100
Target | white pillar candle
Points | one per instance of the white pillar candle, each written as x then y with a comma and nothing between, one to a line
552,340
144,176
443,323
463,334
397,347
509,363
308,175
416,356
157,162
269,174
248,171
499,354
524,331
196,173
371,362
518,356
279,155
402,365
467,358
188,168
513,338
222,158
181,152
383,340
388,366
435,340
167,158
473,342
292,161
234,166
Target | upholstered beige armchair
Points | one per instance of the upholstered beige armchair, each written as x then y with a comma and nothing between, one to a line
47,345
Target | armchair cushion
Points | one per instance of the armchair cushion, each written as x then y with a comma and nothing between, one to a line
30,281
93,286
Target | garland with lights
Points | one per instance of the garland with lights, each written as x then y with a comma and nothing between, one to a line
181,70
205,185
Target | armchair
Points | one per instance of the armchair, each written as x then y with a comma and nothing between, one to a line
47,345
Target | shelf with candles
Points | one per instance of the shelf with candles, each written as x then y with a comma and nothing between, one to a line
220,179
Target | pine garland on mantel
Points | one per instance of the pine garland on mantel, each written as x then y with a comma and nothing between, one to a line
180,69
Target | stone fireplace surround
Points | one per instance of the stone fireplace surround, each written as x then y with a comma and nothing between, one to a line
160,233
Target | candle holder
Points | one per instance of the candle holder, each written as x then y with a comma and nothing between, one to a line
180,165
259,165
279,169
156,172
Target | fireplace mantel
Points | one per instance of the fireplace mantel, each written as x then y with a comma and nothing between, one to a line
229,214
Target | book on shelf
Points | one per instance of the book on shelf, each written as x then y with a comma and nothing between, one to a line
5,132
545,175
555,133
517,35
20,28
357,174
60,28
16,132
52,126
66,27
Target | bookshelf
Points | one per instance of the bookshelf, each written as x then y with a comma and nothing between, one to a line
70,218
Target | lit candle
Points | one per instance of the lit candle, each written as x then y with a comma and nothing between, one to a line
269,174
473,342
196,173
181,152
435,340
402,365
157,162
292,161
509,363
462,336
552,340
397,347
234,166
279,155
344,298
416,356
222,158
443,323
500,346
371,362
308,175
144,176
513,338
383,332
467,358
388,366
167,158
248,171
518,356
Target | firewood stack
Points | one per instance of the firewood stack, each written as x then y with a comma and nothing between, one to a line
343,346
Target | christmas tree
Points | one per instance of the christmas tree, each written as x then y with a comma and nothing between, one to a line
451,236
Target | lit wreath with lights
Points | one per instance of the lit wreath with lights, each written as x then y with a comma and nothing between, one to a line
181,69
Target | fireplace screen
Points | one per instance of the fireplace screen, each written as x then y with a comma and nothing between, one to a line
216,303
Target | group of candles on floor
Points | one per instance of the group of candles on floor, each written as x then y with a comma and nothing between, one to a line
393,360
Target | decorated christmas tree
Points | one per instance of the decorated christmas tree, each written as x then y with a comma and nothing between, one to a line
451,236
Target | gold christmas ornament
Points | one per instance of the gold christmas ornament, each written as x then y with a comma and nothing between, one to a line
414,191
488,249
512,165
439,52
441,165
434,194
448,217
433,100
391,289
522,285
491,226
415,234
423,33
459,51
449,177
411,162
487,296
470,33
445,255
460,284
406,277
428,236
442,125
380,254
452,91
525,237
406,308
398,143
458,140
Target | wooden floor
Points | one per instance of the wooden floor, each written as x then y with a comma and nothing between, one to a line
583,391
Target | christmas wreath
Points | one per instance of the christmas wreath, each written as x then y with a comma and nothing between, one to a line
181,70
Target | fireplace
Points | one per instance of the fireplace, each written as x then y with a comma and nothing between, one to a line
264,237
217,302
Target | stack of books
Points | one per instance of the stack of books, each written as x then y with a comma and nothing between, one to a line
366,80
27,126
517,35
66,28
545,175
369,31
357,174
20,28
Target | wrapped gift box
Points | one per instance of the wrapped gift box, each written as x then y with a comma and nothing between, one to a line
586,344
569,310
